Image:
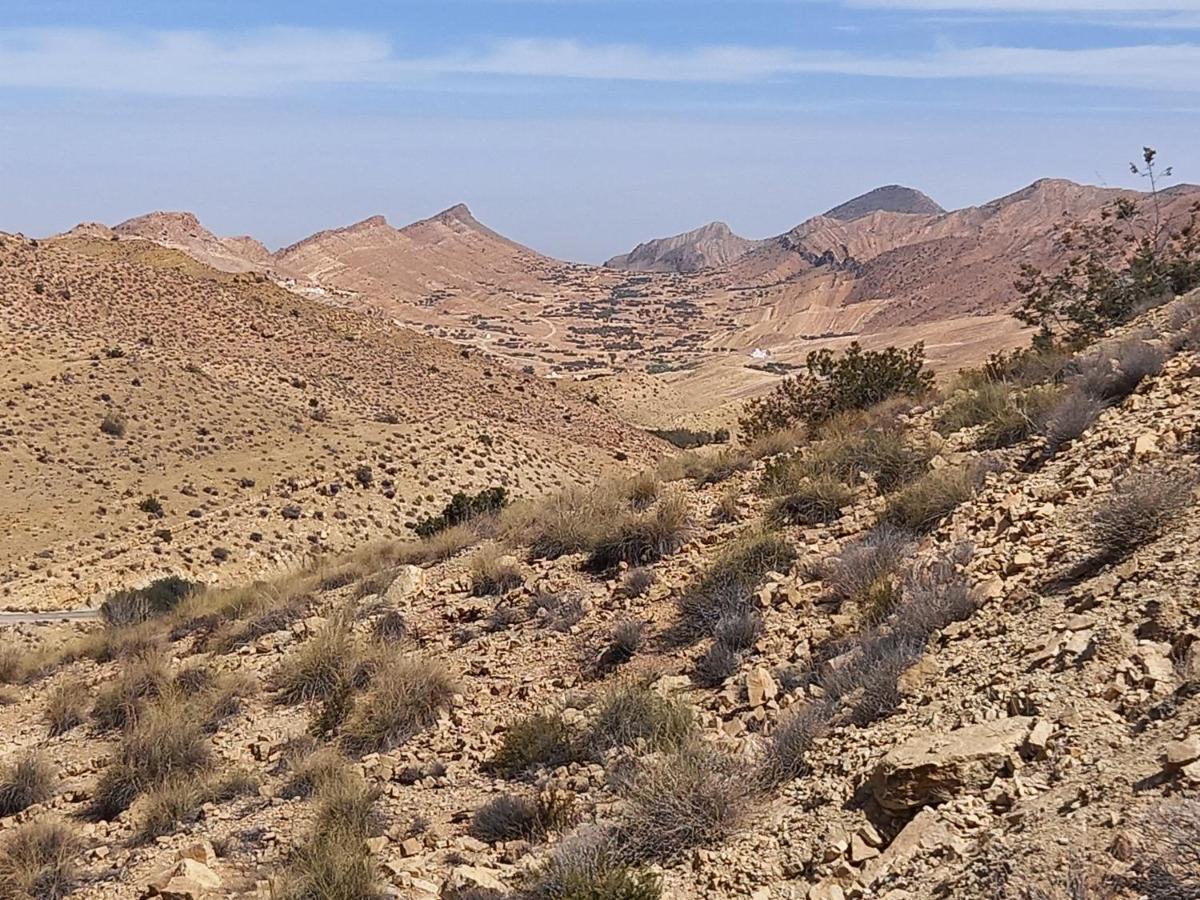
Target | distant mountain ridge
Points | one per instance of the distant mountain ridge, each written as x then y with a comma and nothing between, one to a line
713,244
894,198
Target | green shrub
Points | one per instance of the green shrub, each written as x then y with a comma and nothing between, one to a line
856,380
687,439
461,509
537,741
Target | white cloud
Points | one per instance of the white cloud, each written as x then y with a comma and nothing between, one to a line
190,63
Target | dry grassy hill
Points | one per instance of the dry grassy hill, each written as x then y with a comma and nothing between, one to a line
944,650
266,426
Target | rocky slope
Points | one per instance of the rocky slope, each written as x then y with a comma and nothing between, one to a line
1017,725
183,231
245,411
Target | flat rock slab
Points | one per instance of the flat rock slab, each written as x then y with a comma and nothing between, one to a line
933,768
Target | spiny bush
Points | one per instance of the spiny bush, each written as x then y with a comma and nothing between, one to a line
494,572
1111,373
1142,504
924,503
794,734
727,585
512,817
694,797
631,711
66,707
867,680
557,611
1169,838
391,627
856,380
588,866
405,697
813,502
1069,418
113,424
628,636
28,781
728,505
642,537
37,861
859,570
637,581
536,741
461,509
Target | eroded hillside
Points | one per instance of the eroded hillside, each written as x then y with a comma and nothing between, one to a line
937,651
162,417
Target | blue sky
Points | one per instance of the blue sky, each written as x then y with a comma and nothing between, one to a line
576,126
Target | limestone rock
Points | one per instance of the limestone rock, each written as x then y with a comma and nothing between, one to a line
408,581
186,880
931,768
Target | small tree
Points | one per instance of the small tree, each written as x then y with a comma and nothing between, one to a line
856,380
1132,258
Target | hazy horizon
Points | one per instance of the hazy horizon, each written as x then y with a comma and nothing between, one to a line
578,128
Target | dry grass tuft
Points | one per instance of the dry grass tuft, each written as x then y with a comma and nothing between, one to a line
405,697
815,501
493,571
922,505
513,817
66,707
334,861
37,861
28,781
644,537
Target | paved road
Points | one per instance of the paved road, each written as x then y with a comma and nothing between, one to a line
61,615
